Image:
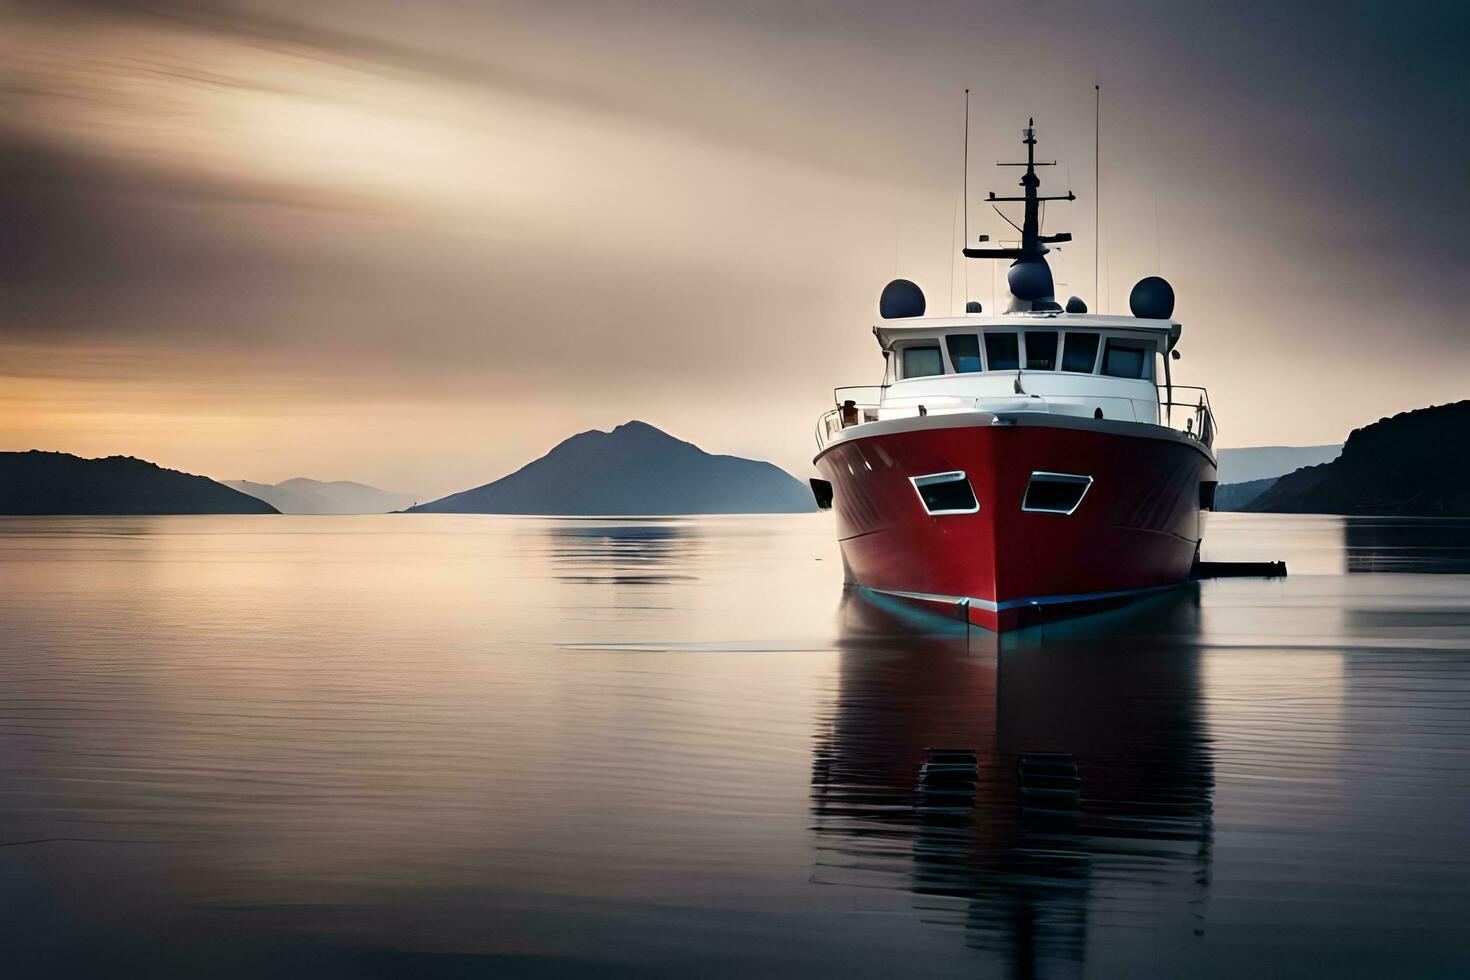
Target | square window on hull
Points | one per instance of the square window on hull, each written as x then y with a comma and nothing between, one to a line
1055,493
946,493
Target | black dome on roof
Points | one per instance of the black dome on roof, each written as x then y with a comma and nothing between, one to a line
901,299
1152,299
1029,278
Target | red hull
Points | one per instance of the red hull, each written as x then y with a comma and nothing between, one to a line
1137,529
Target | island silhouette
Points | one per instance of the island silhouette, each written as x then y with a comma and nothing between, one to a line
38,483
301,495
636,469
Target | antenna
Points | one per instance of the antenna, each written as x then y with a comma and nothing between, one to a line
965,182
965,194
1096,189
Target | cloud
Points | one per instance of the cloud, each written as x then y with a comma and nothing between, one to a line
100,246
580,70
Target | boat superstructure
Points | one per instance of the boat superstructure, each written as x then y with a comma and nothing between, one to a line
1024,465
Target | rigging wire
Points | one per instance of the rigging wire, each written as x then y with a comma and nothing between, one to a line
1007,220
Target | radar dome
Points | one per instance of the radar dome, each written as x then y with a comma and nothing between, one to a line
1152,299
1075,305
1030,280
901,299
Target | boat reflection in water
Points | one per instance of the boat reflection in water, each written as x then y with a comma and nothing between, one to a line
1040,880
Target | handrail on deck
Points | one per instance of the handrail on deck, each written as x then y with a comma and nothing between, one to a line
853,408
850,393
1200,423
857,404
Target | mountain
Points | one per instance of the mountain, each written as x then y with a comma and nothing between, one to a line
1262,462
634,469
1235,496
1412,464
1247,473
58,483
303,496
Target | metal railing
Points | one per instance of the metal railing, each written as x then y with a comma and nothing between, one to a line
856,404
1184,408
1195,416
870,395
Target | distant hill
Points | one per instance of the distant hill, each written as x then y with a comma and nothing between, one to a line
1262,462
1412,464
37,482
303,496
1235,496
1245,474
634,469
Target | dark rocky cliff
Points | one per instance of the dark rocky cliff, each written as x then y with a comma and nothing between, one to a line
1413,464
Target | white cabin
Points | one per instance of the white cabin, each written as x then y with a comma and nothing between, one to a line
1080,364
1062,363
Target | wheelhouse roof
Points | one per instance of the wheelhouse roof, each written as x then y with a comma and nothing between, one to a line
889,331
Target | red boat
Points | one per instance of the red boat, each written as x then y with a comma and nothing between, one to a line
1026,466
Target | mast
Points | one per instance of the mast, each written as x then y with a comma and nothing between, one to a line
1029,277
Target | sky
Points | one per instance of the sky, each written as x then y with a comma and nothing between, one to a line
416,245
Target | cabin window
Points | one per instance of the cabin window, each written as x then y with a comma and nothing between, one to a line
1041,350
1080,353
922,362
1126,359
946,493
964,352
1002,351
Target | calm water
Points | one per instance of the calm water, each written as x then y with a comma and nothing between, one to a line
474,746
